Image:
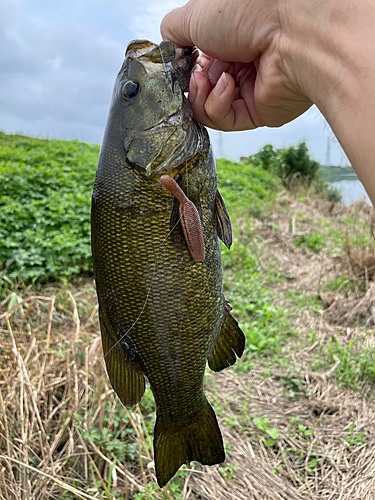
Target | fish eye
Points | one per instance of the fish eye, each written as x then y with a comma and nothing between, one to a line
131,89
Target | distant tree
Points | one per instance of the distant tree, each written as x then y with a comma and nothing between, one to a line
264,158
296,159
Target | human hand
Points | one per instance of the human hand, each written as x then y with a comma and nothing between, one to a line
240,82
269,60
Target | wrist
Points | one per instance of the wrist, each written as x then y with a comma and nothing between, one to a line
314,49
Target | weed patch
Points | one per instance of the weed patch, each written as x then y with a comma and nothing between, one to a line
45,193
296,411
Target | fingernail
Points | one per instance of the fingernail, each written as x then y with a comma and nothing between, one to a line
203,61
193,88
197,67
221,85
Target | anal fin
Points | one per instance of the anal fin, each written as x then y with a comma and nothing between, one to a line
125,375
200,440
230,344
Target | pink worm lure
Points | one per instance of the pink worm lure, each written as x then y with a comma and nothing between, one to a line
190,219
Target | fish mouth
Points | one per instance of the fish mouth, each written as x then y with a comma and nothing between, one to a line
164,57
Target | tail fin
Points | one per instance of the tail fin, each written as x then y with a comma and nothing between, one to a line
200,440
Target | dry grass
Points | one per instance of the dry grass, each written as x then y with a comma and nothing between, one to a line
52,377
293,433
340,471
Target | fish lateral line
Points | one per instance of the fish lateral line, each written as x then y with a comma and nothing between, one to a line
147,296
190,219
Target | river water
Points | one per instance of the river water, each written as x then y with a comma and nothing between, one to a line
351,187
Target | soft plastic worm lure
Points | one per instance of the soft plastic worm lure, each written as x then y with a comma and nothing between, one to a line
190,219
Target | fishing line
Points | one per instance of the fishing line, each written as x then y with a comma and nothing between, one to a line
187,177
157,255
144,305
165,67
148,293
160,245
155,263
185,146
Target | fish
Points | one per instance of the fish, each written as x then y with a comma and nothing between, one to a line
157,217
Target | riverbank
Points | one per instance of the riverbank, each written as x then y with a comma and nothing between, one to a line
328,173
346,181
296,411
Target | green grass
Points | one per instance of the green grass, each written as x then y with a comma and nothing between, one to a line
356,365
314,242
48,183
266,325
59,175
251,192
246,188
45,192
45,196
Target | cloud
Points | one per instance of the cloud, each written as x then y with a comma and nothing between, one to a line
55,67
59,59
147,16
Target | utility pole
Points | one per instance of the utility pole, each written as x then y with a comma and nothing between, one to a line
221,154
328,152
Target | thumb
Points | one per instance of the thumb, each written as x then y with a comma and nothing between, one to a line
176,27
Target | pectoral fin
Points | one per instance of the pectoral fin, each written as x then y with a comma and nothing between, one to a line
230,344
177,234
223,225
126,377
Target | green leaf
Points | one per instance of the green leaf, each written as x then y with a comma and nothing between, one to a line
273,433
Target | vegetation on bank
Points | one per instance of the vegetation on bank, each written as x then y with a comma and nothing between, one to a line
296,411
293,164
45,193
45,196
334,172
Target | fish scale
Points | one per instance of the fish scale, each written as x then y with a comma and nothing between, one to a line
162,314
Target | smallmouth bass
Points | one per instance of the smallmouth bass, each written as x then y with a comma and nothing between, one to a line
157,217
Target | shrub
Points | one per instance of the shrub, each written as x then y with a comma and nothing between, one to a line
265,158
296,159
287,162
334,194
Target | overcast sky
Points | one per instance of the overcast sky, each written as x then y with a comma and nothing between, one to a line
59,60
